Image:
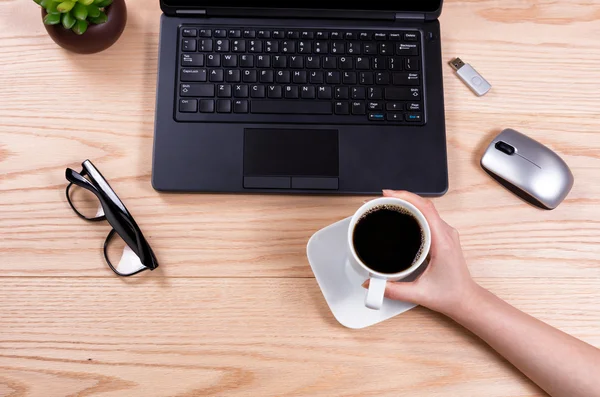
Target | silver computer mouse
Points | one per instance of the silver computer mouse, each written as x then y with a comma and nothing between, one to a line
527,168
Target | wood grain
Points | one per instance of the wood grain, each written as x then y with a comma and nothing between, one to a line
234,309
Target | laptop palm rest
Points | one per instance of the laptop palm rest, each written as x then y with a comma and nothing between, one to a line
280,158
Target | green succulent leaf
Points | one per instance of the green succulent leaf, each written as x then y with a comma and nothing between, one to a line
65,6
44,3
38,2
102,18
103,3
80,27
52,19
93,11
80,11
86,2
51,8
68,20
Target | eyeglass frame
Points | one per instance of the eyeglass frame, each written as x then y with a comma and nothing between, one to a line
115,213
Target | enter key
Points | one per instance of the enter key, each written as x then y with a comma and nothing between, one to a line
406,79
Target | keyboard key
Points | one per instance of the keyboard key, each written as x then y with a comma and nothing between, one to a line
205,45
233,76
197,90
349,78
264,34
406,79
240,90
382,78
213,60
402,93
411,64
394,116
411,36
395,36
407,49
220,33
324,92
335,36
188,45
362,63
321,47
279,61
192,60
304,47
385,49
255,46
292,92
222,45
359,108
322,35
257,91
216,75
271,46
379,63
296,61
415,117
376,116
240,106
366,78
374,93
249,76
307,35
293,34
229,60
249,34
247,61
359,93
205,33
238,45
346,63
316,77
354,47
374,106
288,46
274,91
394,106
263,61
342,108
224,91
329,63
333,78
235,33
291,107
283,76
267,76
193,74
189,33
350,36
369,48
413,106
278,34
394,63
338,47
188,105
223,106
207,106
342,93
365,35
308,92
299,77
380,36
313,62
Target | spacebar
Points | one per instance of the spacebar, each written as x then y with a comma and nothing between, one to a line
291,107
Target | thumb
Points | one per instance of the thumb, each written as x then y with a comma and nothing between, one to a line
400,291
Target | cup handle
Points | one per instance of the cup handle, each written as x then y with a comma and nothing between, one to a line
374,298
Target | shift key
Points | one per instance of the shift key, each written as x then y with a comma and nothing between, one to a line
197,90
402,93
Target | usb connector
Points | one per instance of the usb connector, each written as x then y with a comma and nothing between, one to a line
470,77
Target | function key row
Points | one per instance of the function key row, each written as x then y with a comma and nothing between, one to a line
299,34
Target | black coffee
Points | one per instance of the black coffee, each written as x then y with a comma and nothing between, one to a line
388,239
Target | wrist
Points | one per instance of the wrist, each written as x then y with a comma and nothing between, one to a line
471,295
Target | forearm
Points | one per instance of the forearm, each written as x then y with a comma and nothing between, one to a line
557,362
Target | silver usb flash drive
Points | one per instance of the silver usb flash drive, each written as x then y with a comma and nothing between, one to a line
470,77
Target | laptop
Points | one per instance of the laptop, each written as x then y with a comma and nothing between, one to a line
300,98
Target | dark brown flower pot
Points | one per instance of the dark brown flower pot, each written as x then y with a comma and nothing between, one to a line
97,37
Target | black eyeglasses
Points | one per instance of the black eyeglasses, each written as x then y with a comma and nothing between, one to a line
114,212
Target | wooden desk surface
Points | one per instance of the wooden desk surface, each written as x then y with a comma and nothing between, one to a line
234,309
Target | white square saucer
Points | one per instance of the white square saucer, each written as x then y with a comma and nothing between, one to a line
341,284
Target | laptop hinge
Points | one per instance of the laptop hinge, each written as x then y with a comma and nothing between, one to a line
413,16
190,12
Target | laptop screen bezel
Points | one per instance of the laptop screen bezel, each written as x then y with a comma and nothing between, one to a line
408,6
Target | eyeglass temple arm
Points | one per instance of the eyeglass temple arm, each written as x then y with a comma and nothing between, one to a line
76,178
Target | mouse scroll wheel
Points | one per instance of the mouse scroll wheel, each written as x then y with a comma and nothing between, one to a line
505,147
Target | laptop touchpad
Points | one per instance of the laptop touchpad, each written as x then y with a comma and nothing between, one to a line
291,158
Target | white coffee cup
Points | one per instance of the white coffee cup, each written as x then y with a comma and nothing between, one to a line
375,293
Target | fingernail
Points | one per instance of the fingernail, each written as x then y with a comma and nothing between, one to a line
388,191
365,284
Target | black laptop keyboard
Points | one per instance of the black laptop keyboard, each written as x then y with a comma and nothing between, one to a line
247,74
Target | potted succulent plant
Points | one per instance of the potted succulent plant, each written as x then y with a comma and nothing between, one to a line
84,26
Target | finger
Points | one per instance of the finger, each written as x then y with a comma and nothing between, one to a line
401,291
422,204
